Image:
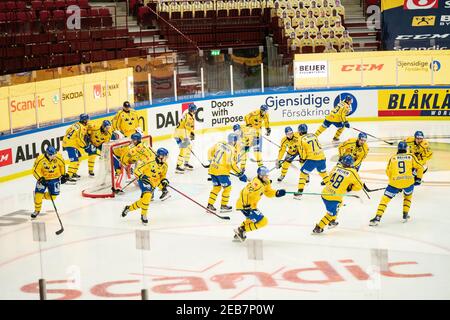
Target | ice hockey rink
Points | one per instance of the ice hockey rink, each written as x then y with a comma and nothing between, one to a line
191,255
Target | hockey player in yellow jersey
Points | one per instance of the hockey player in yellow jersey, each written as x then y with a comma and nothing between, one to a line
356,147
184,134
343,178
400,171
419,147
96,137
151,175
126,120
338,118
255,120
223,160
248,200
49,170
289,146
310,151
74,141
137,151
246,136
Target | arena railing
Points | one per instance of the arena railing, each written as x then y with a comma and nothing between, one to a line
171,77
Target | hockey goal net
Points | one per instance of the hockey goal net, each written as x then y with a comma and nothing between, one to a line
109,181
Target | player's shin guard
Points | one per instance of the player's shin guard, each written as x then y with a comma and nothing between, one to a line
213,195
180,160
38,201
382,206
302,181
187,155
320,130
325,177
91,162
225,196
284,168
327,218
406,203
142,203
73,168
249,225
338,133
258,156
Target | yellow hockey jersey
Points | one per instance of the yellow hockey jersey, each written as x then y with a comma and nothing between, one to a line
97,136
422,151
185,127
400,170
252,192
126,122
291,146
310,148
141,152
339,113
340,179
223,159
255,120
53,169
75,136
154,170
359,153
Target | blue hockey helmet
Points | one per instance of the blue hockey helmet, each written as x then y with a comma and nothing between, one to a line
233,138
362,136
192,107
348,161
402,147
106,123
136,136
303,128
162,152
237,127
84,117
262,171
288,130
50,151
348,98
264,108
419,135
126,104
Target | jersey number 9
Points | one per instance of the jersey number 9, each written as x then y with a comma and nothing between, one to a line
401,167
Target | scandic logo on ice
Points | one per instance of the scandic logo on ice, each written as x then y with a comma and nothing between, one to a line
310,69
420,4
5,157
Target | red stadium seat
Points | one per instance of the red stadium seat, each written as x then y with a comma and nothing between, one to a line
36,5
72,3
10,6
60,4
49,5
20,5
84,4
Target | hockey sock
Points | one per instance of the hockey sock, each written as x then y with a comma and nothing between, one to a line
187,155
327,218
338,133
320,130
142,203
258,156
213,195
73,167
284,168
38,201
406,203
91,162
325,177
302,180
47,196
225,196
180,160
249,225
383,204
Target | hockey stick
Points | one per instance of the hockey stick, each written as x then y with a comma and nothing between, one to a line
372,190
186,196
62,227
325,194
385,141
203,165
